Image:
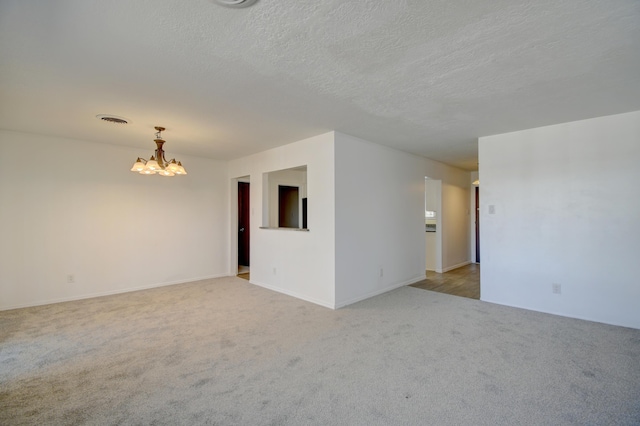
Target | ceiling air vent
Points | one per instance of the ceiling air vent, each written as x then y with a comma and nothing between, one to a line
112,119
235,3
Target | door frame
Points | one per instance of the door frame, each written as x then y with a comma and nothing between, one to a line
439,229
245,259
472,217
477,222
233,222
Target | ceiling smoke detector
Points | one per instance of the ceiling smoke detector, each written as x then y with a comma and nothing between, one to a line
235,3
112,119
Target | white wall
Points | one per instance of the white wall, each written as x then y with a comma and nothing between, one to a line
73,207
379,219
366,213
567,210
455,226
64,213
431,257
304,262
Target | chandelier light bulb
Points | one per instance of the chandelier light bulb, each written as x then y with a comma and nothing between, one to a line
152,164
173,166
181,170
138,166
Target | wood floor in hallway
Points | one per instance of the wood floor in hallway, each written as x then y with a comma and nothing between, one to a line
464,281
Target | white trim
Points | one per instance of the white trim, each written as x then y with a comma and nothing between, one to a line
459,265
293,294
378,292
472,215
233,224
109,293
551,312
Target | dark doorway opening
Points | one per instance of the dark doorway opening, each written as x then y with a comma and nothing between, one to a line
244,214
288,210
304,213
477,224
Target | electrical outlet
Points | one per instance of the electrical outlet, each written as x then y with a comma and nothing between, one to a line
381,272
556,288
71,278
492,209
274,271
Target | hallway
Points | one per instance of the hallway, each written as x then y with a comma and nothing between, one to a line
463,281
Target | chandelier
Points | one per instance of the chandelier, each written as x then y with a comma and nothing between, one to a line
157,163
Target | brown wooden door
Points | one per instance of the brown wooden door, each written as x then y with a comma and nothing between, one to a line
288,209
243,223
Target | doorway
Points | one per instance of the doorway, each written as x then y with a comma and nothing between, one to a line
288,202
463,281
477,224
244,229
433,224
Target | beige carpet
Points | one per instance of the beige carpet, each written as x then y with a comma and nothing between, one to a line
226,352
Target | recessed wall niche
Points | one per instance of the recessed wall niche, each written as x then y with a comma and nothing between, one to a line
284,200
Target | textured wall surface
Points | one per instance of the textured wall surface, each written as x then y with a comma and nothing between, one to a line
73,208
565,202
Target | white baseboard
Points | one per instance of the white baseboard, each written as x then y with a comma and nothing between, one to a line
564,314
380,291
459,265
293,294
106,293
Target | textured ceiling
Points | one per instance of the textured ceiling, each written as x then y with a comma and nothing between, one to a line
427,77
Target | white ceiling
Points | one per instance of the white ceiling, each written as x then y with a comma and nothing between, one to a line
427,77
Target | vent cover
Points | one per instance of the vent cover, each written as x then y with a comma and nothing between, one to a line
235,3
112,119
